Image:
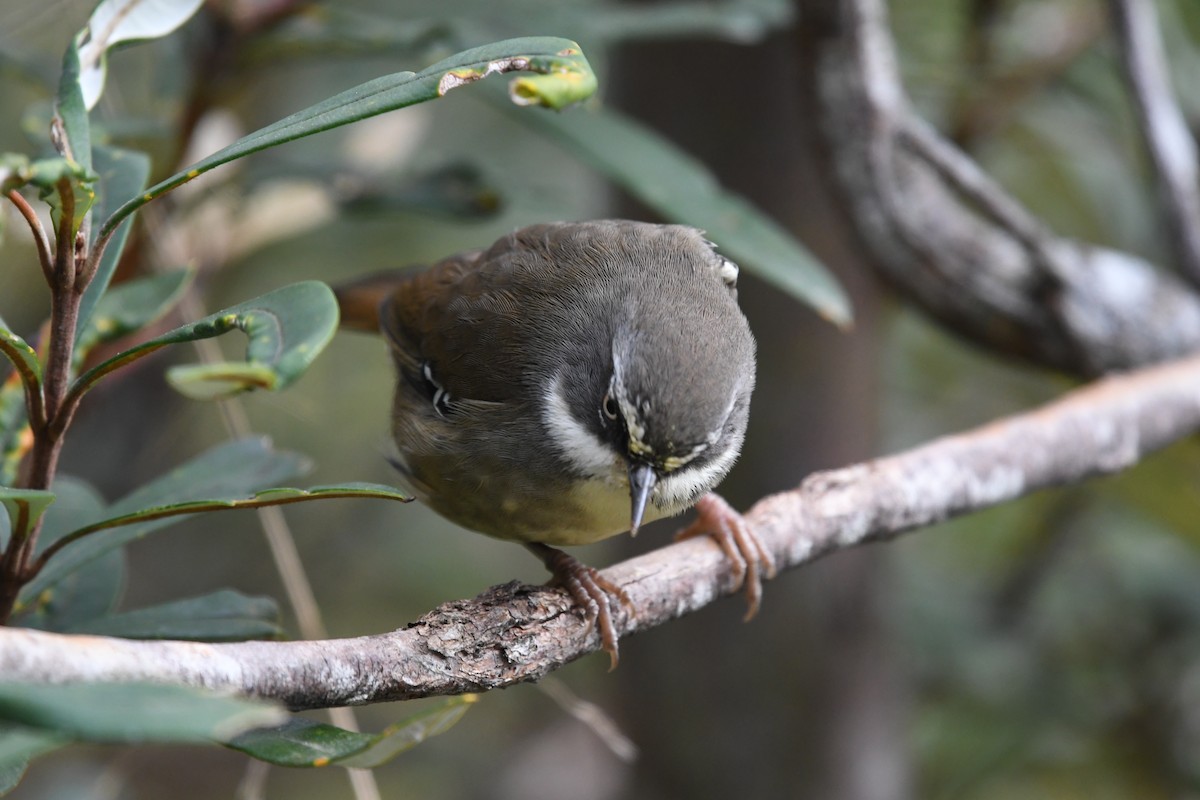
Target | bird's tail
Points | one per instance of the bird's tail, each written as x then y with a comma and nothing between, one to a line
360,300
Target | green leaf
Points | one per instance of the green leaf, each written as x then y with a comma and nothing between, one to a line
23,357
395,739
24,507
132,306
55,178
14,441
91,590
88,593
682,189
305,743
13,168
567,78
287,329
116,21
18,746
132,712
301,742
228,470
266,497
214,381
49,175
122,175
70,109
223,616
15,401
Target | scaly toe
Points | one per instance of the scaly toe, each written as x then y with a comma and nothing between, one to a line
749,558
590,590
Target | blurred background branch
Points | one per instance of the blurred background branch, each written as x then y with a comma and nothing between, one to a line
952,241
1170,144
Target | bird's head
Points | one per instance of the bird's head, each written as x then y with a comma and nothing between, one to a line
662,401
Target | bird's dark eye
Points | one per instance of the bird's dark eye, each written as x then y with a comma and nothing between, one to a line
609,407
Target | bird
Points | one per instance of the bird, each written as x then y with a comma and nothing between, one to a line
569,383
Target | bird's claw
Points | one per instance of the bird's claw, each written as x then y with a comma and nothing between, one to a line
749,557
590,590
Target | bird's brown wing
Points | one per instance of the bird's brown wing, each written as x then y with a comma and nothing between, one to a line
460,318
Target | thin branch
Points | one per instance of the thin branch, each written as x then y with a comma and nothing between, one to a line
515,633
64,310
45,254
1170,144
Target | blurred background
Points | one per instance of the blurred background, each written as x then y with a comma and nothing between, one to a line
1049,648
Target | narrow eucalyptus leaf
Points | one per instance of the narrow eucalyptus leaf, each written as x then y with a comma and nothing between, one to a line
569,78
122,174
132,712
223,616
682,189
266,497
305,743
70,109
88,591
228,470
407,734
23,357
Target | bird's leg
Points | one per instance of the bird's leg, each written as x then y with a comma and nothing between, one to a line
588,588
750,558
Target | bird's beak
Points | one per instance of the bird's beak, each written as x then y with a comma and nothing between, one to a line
641,484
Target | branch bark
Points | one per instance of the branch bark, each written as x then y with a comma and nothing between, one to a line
515,633
948,237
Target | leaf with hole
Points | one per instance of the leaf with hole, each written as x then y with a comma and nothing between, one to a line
305,743
563,77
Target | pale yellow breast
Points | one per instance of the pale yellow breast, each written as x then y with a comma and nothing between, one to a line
598,509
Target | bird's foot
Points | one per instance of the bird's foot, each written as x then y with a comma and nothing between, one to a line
750,558
589,589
